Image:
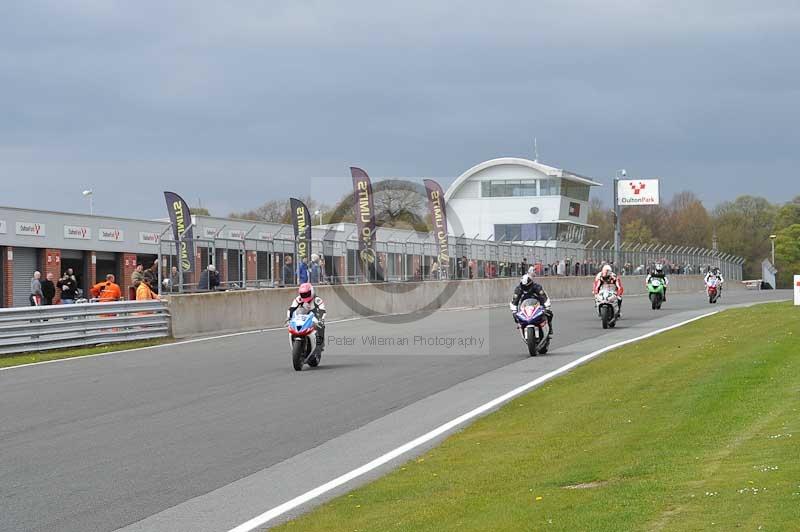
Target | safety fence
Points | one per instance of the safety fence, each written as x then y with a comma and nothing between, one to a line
26,329
410,256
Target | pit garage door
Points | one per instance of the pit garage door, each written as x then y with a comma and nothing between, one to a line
25,264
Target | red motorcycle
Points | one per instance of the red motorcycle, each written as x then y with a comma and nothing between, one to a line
712,289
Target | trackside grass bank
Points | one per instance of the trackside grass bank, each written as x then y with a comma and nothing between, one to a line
694,429
56,354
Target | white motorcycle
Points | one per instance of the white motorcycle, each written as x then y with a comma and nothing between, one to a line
607,303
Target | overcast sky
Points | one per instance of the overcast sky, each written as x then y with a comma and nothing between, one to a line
239,102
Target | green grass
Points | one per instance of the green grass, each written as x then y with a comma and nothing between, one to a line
694,429
56,354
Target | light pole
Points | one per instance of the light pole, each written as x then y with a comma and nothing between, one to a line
772,241
617,217
89,193
318,213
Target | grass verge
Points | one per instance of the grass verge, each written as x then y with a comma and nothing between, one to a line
694,429
56,354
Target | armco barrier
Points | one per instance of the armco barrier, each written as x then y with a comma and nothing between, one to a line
244,310
24,329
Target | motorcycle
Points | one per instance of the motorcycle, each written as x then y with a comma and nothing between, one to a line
534,326
302,328
607,304
712,289
655,291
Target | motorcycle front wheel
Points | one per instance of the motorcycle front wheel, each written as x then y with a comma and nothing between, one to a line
298,353
533,343
605,316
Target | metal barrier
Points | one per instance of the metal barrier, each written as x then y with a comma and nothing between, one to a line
58,326
411,256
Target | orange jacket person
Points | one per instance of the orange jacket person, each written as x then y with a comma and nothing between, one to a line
107,290
144,292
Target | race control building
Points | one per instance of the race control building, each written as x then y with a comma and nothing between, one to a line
514,199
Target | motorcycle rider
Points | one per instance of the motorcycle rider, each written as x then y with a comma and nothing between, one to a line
527,289
307,298
607,276
659,273
715,274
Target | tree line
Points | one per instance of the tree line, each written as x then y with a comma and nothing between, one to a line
742,227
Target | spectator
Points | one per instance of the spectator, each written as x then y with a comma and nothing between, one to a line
48,290
471,265
137,276
314,273
107,290
145,293
209,279
68,286
288,271
524,265
302,271
151,275
174,279
36,290
577,268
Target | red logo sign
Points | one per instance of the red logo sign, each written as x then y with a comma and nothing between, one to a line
637,188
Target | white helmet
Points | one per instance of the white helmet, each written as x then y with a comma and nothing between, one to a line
314,257
526,280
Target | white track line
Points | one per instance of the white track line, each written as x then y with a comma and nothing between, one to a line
277,511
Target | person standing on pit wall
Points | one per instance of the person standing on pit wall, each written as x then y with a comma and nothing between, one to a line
209,279
151,274
68,286
315,272
36,290
106,291
48,290
287,277
302,271
145,292
137,276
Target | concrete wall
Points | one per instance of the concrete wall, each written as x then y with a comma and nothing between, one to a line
243,310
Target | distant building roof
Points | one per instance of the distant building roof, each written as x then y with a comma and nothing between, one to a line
536,165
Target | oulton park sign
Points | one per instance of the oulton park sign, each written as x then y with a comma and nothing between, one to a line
637,192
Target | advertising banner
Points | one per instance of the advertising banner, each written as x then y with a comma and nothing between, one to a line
301,220
439,217
181,219
147,237
364,211
31,229
637,192
77,232
110,234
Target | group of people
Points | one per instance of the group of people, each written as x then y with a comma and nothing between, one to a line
44,291
307,271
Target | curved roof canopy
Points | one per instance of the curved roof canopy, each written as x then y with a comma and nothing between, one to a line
535,165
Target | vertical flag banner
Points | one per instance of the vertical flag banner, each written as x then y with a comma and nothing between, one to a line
301,220
439,218
364,210
181,218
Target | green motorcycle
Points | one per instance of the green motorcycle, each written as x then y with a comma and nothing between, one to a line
655,291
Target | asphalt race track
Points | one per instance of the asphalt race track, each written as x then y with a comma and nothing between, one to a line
206,435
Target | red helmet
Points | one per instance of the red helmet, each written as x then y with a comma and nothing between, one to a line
306,292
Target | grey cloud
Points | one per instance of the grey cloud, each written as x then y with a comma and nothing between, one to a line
245,101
